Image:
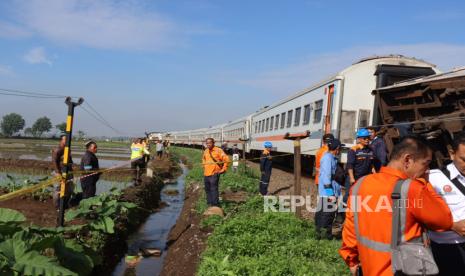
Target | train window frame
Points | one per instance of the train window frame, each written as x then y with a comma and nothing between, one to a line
365,113
260,126
263,125
276,126
307,114
271,123
267,124
297,114
289,118
283,120
318,111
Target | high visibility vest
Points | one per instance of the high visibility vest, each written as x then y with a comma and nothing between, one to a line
137,151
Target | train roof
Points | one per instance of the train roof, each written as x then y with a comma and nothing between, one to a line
456,73
392,56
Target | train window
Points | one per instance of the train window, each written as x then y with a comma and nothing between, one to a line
263,125
347,130
283,119
276,126
363,118
267,124
318,112
259,126
298,110
271,123
306,114
256,127
289,118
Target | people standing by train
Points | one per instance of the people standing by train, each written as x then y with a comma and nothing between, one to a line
321,151
89,164
449,247
367,232
137,159
235,158
360,157
266,165
328,191
215,162
378,146
159,148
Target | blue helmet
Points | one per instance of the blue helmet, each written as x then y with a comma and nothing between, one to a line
363,132
268,144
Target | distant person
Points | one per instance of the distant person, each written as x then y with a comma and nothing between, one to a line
59,169
159,149
449,182
137,159
146,144
166,146
215,162
321,151
328,191
89,164
378,146
266,165
235,157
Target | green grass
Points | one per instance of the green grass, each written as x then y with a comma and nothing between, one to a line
251,242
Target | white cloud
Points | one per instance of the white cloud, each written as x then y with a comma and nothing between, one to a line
293,77
5,70
37,56
105,24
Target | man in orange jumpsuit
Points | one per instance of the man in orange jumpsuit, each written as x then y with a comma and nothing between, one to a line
215,162
321,151
366,245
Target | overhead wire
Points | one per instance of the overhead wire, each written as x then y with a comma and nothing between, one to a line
103,122
16,92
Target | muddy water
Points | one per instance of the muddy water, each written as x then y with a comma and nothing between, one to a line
154,233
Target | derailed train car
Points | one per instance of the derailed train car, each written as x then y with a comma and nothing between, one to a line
432,107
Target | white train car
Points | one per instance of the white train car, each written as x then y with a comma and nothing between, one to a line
235,131
197,136
180,137
215,132
340,105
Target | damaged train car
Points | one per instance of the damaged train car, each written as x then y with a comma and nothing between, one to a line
432,107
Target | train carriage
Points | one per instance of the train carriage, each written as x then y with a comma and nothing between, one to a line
339,105
237,132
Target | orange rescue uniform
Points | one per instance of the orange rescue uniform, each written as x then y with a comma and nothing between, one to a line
210,167
425,207
318,156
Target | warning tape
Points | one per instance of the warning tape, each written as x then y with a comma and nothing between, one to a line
56,179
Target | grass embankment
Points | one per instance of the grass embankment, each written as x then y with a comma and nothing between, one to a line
251,242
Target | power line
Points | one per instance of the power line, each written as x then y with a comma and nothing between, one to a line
22,93
97,113
103,122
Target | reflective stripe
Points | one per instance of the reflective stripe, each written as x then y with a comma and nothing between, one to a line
374,245
403,209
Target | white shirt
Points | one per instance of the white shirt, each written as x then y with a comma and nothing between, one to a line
454,199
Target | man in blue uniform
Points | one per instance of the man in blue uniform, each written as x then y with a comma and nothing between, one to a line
328,191
378,146
360,158
265,168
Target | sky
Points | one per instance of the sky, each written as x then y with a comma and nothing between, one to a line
164,65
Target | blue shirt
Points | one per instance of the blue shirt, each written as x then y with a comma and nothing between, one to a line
361,160
326,185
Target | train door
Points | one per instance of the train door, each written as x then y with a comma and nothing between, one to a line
329,91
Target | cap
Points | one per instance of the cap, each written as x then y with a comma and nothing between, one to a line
328,136
334,144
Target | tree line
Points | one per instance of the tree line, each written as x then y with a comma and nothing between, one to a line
13,123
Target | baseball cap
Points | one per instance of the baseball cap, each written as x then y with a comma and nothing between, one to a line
334,144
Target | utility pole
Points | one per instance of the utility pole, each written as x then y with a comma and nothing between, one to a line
67,166
297,165
243,141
